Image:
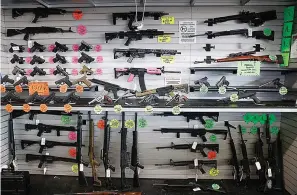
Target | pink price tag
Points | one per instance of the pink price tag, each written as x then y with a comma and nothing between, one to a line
51,47
51,71
28,59
28,72
99,71
121,69
72,136
51,60
81,29
29,50
130,78
75,47
99,59
153,71
74,72
74,60
98,48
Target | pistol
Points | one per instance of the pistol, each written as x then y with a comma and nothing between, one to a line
38,71
37,46
18,70
71,97
15,47
34,98
18,59
86,70
9,96
60,47
23,81
60,70
60,59
6,79
85,58
37,59
64,80
84,46
83,80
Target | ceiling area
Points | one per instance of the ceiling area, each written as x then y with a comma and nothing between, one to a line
110,3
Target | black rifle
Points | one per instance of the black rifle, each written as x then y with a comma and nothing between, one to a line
47,144
243,95
253,18
109,87
268,169
104,153
60,59
197,147
244,32
70,98
84,46
11,141
85,58
260,161
131,16
6,79
43,128
134,156
15,47
35,30
140,53
32,113
39,12
64,80
18,70
135,35
194,132
37,59
245,162
124,154
60,70
277,165
38,71
23,81
49,159
234,161
10,96
38,47
15,58
194,115
60,47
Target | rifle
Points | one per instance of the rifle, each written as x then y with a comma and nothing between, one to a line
194,132
71,98
193,115
132,72
46,144
109,87
10,96
105,151
134,156
193,147
15,58
260,161
269,162
37,46
252,18
52,112
93,162
84,80
86,70
243,95
15,47
60,59
135,35
18,70
11,142
162,91
39,12
140,53
234,161
60,70
277,165
85,58
60,47
42,128
245,162
37,59
278,59
64,80
244,32
23,81
6,79
136,16
38,71
104,193
34,30
84,46
49,159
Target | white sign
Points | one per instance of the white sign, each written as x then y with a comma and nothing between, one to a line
294,46
172,81
187,28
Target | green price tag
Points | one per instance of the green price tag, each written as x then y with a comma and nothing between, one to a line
243,130
287,29
289,14
213,138
254,130
209,124
286,45
203,89
142,123
65,120
286,57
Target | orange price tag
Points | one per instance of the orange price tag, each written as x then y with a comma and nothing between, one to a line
3,89
63,88
9,108
18,89
43,107
41,87
77,14
67,108
101,124
26,108
79,89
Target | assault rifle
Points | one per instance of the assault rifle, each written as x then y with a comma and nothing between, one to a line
193,147
278,59
245,162
43,128
39,12
38,47
135,35
193,115
60,59
60,70
136,16
60,47
132,72
18,70
194,132
277,165
94,163
84,46
46,144
15,58
234,160
244,32
104,153
134,156
85,58
269,171
38,71
15,47
49,159
37,59
252,18
162,91
35,30
6,79
140,53
243,95
10,96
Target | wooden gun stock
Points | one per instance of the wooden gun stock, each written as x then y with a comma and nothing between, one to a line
278,59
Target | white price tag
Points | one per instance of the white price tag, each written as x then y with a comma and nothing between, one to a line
196,126
44,170
16,48
196,162
250,32
194,145
47,153
42,141
269,172
81,167
36,122
17,78
258,165
41,57
107,172
197,189
30,44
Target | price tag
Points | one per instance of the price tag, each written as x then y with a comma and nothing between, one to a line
3,88
67,108
42,141
41,87
26,108
194,145
164,39
258,165
197,189
63,88
148,109
74,168
250,32
176,110
283,91
9,108
269,172
44,170
222,90
47,154
167,20
30,44
107,172
36,122
129,124
118,108
16,48
203,89
81,167
234,97
168,59
43,107
248,68
196,162
98,109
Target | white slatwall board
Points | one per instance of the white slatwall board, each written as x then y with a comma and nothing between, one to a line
4,138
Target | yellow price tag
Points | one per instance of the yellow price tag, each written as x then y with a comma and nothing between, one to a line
164,39
167,19
168,59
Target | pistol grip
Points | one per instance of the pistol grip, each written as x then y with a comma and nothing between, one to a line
41,149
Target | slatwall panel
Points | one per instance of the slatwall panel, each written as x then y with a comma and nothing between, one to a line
4,138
